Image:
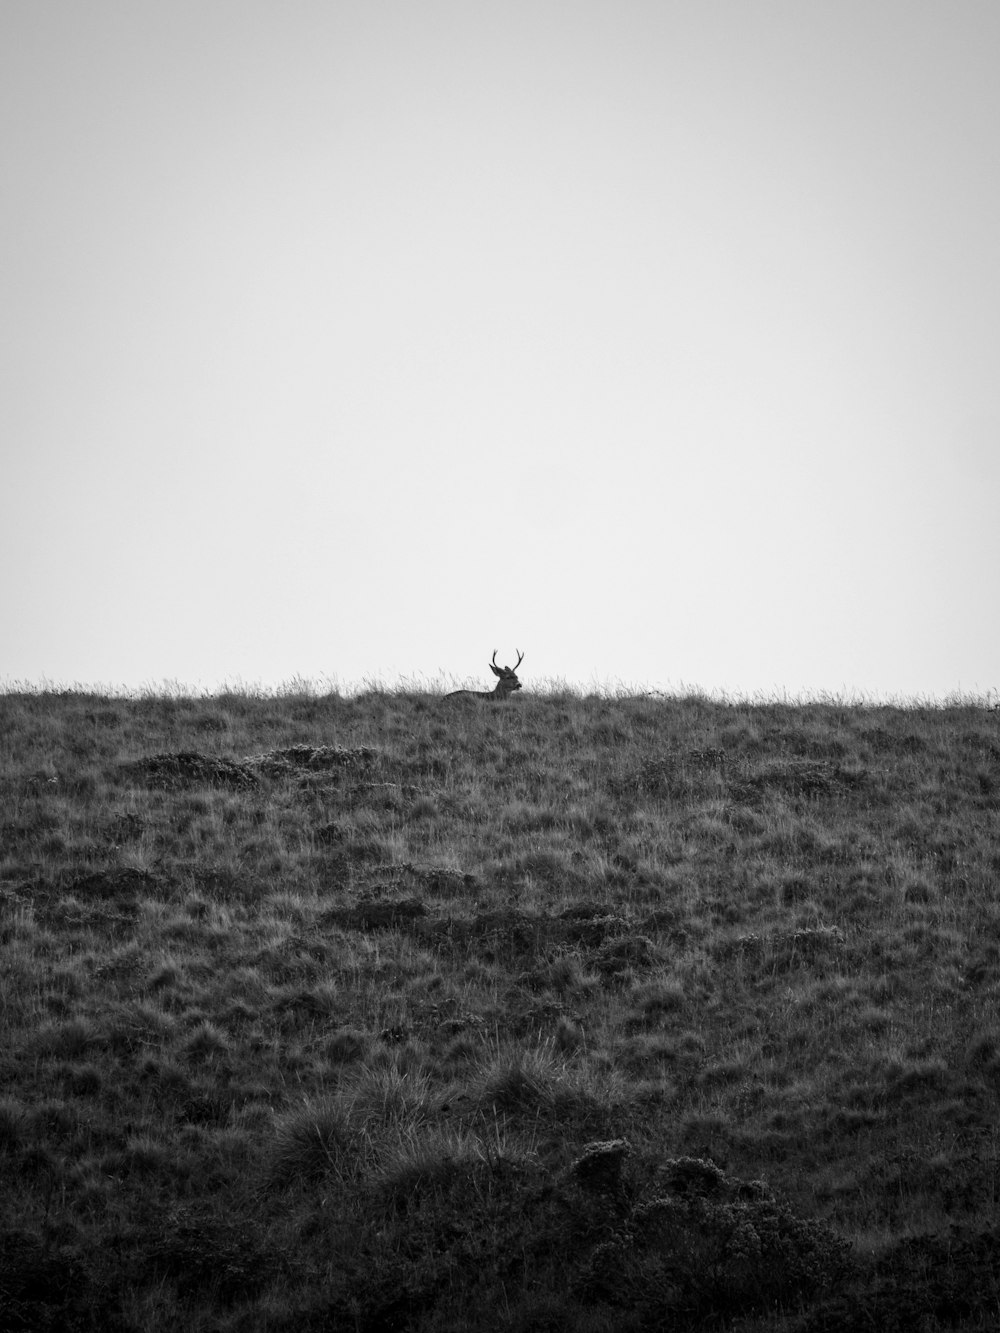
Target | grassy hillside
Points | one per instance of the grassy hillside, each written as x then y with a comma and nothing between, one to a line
572,1013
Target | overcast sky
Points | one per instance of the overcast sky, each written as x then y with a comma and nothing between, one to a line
353,339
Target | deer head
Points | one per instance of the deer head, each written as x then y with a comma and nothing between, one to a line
508,681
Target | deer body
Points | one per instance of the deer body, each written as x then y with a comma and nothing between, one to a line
506,685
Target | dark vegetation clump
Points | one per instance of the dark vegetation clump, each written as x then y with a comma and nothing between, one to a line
949,1279
584,1015
43,1286
711,1247
313,758
191,768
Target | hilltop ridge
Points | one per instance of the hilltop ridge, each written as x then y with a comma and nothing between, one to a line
343,994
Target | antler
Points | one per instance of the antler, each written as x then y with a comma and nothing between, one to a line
498,671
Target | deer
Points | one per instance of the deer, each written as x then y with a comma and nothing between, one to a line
504,688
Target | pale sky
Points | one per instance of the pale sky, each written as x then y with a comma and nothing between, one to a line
349,340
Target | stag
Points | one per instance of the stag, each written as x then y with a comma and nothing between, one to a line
507,683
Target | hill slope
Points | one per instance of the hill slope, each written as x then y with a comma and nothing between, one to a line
393,1012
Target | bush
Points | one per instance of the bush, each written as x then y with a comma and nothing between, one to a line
710,1246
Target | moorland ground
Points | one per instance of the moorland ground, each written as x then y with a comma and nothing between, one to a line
391,1012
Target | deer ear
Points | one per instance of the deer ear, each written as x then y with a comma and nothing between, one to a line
496,670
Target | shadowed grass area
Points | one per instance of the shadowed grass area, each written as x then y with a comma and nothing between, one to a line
323,1012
